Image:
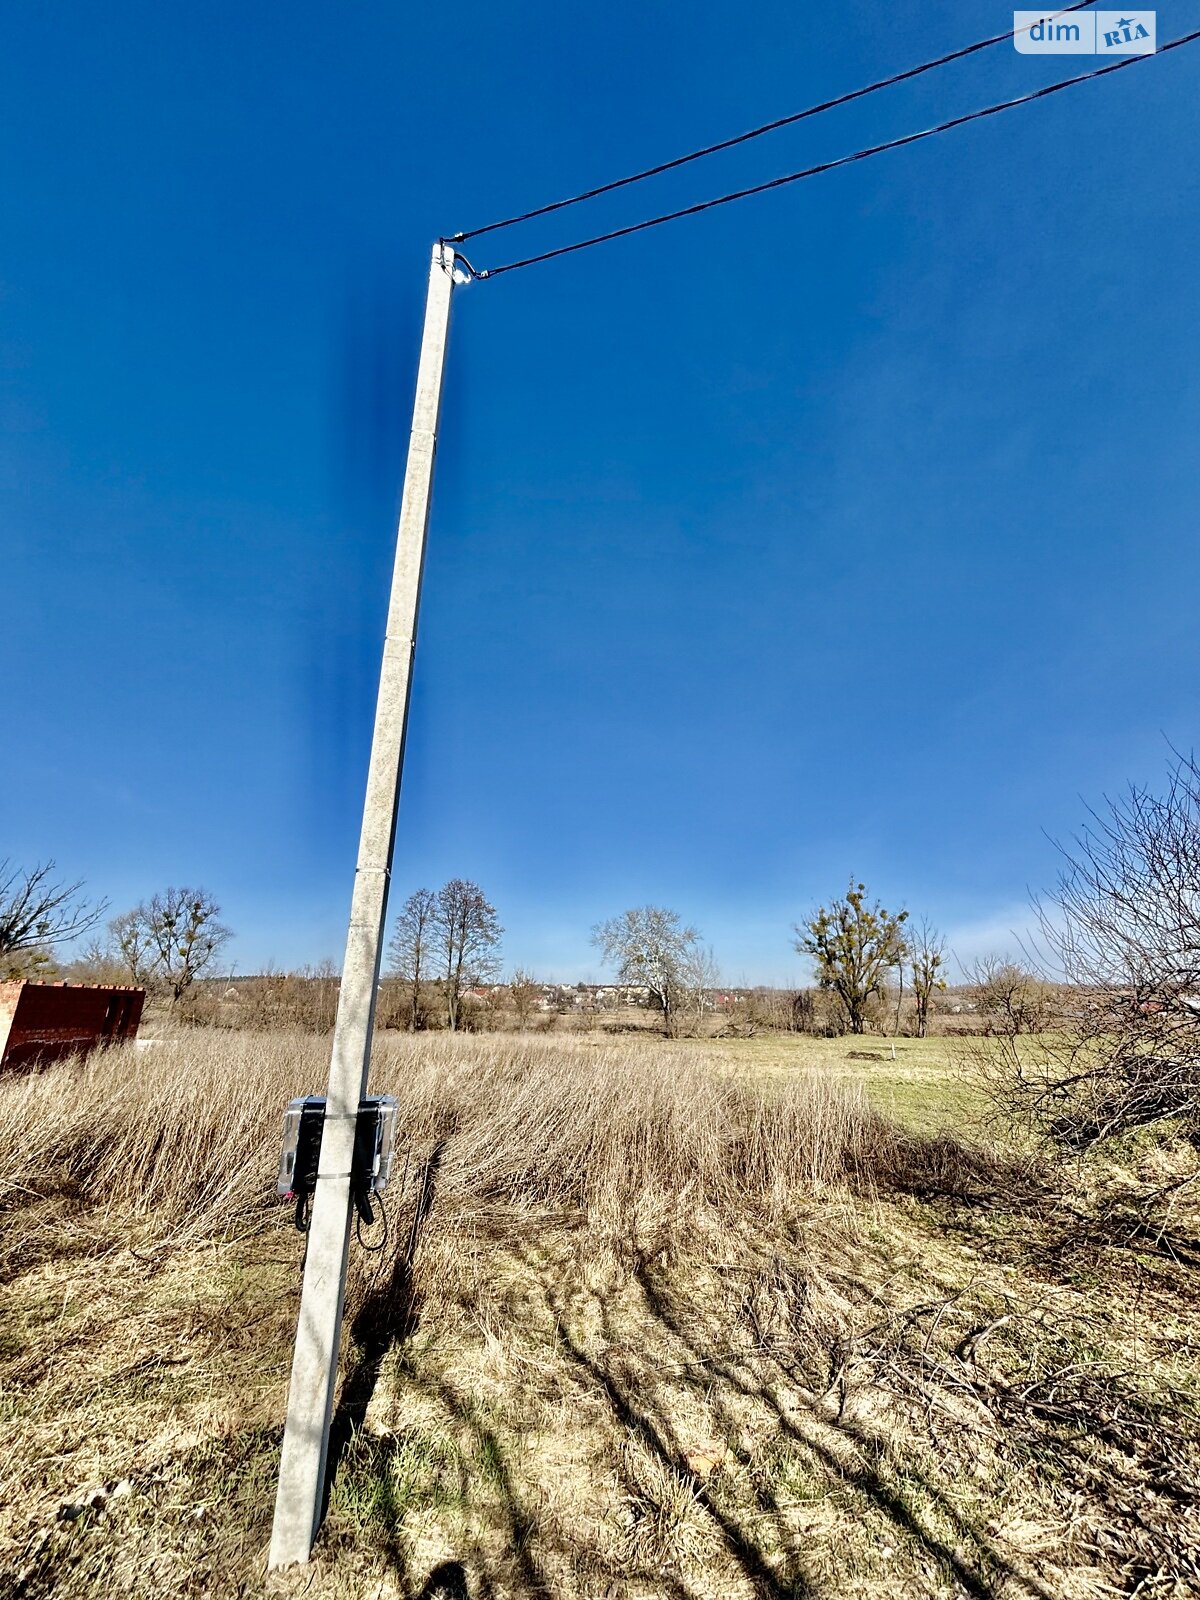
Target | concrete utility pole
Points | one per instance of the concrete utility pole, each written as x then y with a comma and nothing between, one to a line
318,1333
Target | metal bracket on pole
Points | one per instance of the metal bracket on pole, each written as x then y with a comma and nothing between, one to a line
318,1332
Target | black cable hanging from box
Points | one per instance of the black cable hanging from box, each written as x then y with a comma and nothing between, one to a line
372,1249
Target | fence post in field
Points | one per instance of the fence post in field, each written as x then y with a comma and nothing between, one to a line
318,1332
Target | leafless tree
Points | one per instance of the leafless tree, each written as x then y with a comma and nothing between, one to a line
132,947
171,939
1010,996
899,993
650,948
927,961
758,1008
305,998
1123,928
411,950
99,962
701,977
524,994
37,912
466,932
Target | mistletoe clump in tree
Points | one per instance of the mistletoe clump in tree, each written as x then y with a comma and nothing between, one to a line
854,946
927,963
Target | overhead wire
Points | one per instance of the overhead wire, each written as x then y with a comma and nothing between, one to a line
830,166
752,133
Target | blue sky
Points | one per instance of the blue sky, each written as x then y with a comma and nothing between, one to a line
851,529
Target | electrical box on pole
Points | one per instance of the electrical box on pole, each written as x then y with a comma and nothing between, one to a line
370,1168
318,1332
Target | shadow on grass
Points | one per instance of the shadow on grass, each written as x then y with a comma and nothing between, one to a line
447,1581
506,1548
992,1575
389,1315
504,1542
657,1435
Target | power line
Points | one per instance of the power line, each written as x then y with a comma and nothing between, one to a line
753,133
829,166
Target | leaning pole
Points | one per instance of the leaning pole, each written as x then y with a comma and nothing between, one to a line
318,1332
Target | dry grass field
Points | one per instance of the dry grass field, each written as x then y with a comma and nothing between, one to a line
740,1318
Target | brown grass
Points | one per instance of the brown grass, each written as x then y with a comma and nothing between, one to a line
188,1131
664,1332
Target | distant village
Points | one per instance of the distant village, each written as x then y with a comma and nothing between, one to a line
571,996
560,997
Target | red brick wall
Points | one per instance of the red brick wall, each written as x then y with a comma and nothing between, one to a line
42,1021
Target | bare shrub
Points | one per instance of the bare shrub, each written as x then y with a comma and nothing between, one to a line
804,1011
304,999
760,1010
400,1005
524,992
1123,927
816,1012
819,1012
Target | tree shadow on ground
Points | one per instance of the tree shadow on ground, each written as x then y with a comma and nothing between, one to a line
447,1581
657,1435
511,1535
992,1574
759,1544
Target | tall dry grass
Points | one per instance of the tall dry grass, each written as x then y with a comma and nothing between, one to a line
189,1130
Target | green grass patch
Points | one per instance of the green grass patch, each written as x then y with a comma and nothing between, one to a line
920,1082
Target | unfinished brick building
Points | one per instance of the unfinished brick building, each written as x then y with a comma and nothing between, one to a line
43,1021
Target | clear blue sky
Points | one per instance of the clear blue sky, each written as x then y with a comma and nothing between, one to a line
852,529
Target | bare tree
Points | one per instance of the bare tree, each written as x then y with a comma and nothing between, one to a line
524,993
98,962
761,1008
701,977
854,946
650,947
132,947
1014,999
926,962
899,993
1123,928
171,939
411,950
466,932
38,912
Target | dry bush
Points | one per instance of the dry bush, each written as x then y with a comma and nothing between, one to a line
189,1130
763,1010
1013,999
1122,926
304,1000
